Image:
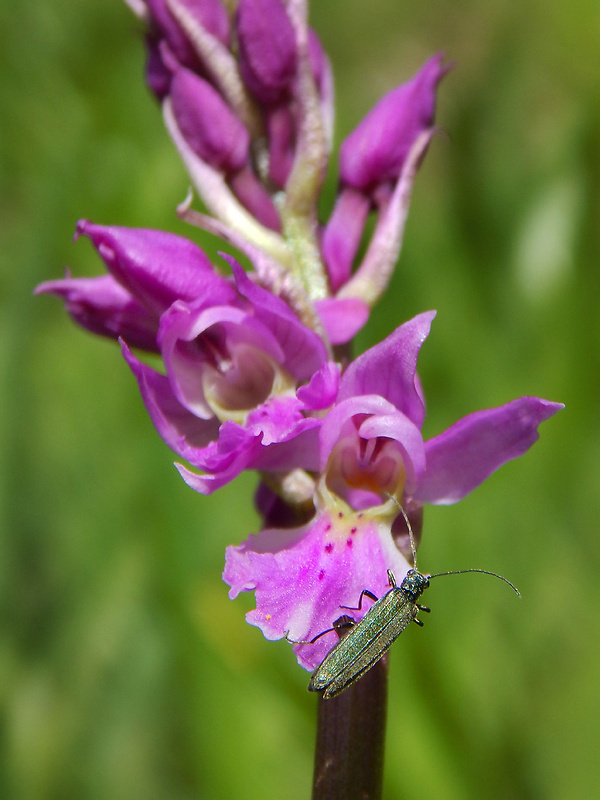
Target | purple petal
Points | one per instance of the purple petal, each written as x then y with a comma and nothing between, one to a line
302,577
281,134
165,25
156,267
235,450
278,441
299,451
343,234
267,48
402,430
389,369
211,14
304,349
208,483
210,127
375,151
219,331
253,195
322,389
373,274
186,434
279,420
382,420
158,73
104,307
335,420
462,457
238,449
342,318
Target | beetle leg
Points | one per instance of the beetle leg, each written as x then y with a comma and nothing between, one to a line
342,622
308,641
364,592
418,621
424,608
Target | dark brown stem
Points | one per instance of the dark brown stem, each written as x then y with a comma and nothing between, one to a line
351,739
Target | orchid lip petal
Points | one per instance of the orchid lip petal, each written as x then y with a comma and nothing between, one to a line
301,577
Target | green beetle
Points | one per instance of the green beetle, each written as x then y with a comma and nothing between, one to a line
370,638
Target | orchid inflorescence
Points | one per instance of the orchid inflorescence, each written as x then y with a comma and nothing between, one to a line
257,373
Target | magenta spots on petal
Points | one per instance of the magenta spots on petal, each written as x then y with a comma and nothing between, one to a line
328,527
348,542
302,585
340,515
353,530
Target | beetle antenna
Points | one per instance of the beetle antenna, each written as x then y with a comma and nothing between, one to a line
484,571
450,572
410,530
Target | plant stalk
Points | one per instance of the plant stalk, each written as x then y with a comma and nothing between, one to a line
351,739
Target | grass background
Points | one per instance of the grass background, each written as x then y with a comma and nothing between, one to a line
125,672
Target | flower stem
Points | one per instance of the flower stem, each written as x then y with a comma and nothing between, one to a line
351,738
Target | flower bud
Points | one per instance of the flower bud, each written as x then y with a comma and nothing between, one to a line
267,49
375,151
211,14
207,123
158,74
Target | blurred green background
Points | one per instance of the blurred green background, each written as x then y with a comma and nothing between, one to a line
125,672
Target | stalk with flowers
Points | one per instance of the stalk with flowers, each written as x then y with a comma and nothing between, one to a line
257,368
